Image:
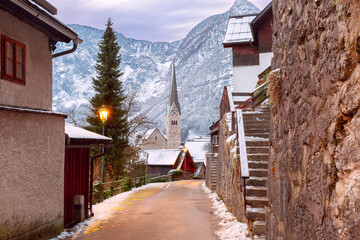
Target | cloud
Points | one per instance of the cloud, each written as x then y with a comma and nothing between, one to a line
155,20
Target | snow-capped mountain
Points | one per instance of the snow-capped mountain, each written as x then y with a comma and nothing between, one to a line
203,67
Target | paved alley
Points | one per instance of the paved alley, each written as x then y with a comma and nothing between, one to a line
178,210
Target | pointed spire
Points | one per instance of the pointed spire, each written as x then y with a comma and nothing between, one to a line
173,96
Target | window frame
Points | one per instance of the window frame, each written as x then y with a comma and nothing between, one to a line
4,74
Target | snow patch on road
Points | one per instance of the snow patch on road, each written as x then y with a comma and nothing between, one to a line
68,233
104,209
231,229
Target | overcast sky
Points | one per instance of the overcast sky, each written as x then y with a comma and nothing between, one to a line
154,20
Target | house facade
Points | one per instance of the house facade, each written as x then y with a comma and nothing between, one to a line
250,37
153,139
32,135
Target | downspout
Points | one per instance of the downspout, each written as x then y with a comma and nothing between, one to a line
75,44
91,178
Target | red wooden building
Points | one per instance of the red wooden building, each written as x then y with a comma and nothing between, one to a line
77,168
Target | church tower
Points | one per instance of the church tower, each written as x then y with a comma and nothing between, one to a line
173,114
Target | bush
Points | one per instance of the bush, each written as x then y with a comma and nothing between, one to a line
158,179
175,174
99,192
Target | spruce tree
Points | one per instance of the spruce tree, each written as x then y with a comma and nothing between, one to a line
110,93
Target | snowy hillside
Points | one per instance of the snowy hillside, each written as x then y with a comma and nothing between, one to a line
203,67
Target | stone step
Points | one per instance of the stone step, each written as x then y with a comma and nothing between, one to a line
259,229
258,135
258,157
256,181
257,149
258,164
251,143
255,214
256,191
256,114
258,172
256,122
262,127
252,131
257,201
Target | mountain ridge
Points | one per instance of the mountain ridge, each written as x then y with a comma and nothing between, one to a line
203,67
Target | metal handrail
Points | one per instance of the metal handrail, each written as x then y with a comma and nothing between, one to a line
244,165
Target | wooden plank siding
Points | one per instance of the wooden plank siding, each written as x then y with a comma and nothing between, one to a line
76,181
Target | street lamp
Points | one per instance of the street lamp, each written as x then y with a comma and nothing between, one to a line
103,116
185,150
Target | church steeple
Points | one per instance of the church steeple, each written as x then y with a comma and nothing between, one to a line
173,115
173,96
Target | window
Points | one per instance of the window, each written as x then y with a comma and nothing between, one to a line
216,139
155,138
13,60
174,122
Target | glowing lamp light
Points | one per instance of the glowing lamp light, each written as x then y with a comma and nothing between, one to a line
103,114
185,149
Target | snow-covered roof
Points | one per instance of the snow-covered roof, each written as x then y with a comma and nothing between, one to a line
199,165
162,156
151,131
238,29
197,149
79,135
148,133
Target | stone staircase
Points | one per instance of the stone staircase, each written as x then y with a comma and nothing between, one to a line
256,125
213,171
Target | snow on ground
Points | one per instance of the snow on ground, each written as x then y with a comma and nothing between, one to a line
68,233
231,229
103,210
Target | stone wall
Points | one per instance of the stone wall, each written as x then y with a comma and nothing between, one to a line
314,185
229,183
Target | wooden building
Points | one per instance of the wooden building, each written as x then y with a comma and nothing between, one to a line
77,168
161,161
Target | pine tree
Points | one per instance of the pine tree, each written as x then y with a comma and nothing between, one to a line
110,93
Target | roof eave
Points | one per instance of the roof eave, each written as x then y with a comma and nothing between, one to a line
42,20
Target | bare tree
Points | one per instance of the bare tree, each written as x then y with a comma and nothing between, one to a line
136,119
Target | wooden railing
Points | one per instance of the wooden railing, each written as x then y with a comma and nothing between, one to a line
256,98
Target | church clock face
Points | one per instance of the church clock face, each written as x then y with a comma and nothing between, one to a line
173,113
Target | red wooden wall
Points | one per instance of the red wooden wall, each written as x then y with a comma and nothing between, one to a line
190,165
76,181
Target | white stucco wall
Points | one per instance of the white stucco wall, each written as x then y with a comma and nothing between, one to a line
32,152
246,77
37,91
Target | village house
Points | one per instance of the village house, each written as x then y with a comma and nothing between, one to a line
32,136
238,164
78,172
199,147
161,161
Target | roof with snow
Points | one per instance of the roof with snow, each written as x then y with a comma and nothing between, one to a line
79,136
198,149
162,156
199,166
239,30
151,131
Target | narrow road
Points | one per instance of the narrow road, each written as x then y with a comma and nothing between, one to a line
178,210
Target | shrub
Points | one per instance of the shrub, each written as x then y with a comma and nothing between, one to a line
99,192
175,174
